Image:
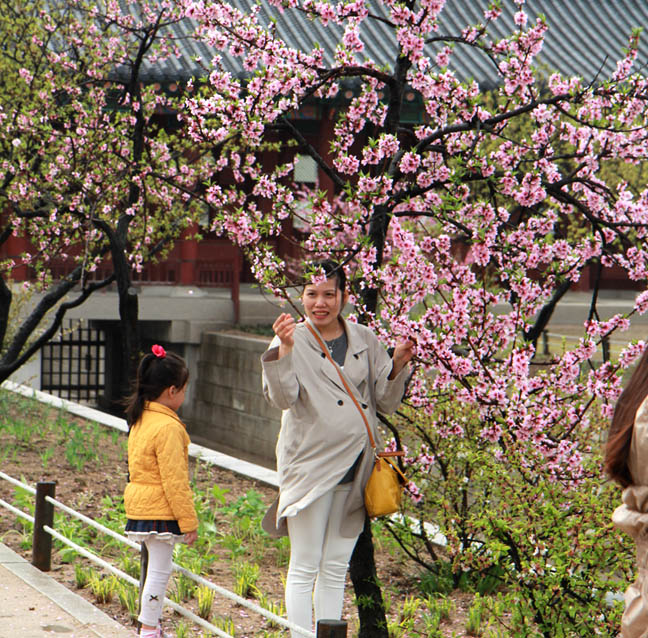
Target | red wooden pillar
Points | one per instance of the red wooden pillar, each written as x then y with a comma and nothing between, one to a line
188,257
584,283
12,249
326,135
236,284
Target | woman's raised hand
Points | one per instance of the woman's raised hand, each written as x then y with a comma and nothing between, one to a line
403,353
284,328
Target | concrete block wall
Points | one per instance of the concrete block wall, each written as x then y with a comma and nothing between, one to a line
229,412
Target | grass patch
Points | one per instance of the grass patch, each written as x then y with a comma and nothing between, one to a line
231,551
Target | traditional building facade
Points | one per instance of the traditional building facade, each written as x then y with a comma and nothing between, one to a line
584,39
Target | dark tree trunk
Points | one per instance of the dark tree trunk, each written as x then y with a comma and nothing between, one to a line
128,323
128,301
377,233
128,313
362,567
128,308
5,305
362,570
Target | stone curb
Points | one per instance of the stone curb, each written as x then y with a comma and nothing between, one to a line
26,612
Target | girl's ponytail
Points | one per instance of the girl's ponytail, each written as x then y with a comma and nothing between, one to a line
134,408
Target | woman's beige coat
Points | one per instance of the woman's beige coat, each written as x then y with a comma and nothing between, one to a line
322,432
632,518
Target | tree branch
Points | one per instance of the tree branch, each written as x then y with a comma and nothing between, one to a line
533,334
490,122
294,131
13,359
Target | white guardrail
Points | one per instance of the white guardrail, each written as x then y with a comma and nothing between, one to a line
206,455
120,574
212,457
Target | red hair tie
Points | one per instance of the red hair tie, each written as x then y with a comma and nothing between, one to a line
158,351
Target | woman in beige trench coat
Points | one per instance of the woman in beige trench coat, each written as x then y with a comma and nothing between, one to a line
626,462
323,454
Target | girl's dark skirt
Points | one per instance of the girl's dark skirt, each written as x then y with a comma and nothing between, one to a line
167,531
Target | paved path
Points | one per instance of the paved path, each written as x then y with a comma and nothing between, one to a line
34,605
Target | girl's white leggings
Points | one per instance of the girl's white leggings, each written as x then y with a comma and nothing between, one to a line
319,558
160,559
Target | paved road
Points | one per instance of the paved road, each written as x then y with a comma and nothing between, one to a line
34,605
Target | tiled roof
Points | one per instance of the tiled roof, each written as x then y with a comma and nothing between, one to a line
584,36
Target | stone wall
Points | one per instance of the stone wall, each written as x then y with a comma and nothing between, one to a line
229,413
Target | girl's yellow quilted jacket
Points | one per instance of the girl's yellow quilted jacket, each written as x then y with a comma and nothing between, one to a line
158,466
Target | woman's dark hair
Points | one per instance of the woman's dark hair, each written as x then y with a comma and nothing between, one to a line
154,375
331,269
617,448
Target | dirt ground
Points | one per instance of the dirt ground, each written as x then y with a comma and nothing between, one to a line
84,491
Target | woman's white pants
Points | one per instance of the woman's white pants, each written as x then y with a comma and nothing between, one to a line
319,558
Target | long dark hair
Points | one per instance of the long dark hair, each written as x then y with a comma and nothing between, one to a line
617,448
155,374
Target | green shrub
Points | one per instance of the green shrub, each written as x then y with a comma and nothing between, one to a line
545,544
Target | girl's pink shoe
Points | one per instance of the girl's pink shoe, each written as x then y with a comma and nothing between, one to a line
154,633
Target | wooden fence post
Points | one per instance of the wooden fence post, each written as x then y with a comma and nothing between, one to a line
43,515
331,629
143,569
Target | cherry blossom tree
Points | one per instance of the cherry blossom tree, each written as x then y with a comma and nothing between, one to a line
89,172
462,232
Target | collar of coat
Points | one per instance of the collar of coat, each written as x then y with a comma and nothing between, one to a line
355,343
154,406
355,365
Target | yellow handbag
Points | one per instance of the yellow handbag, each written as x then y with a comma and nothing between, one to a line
384,489
382,495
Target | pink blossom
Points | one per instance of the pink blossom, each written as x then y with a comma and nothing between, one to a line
520,18
409,162
458,221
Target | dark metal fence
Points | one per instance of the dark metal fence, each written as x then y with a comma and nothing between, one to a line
73,363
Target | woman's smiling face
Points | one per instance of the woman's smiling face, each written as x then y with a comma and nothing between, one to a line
323,303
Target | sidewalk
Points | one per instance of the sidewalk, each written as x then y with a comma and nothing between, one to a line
34,605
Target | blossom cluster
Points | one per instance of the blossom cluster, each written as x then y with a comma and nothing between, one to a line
88,172
458,230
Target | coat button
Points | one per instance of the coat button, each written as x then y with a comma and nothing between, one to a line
364,406
356,356
323,356
340,402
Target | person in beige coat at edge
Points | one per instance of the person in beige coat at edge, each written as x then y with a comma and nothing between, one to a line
626,462
324,457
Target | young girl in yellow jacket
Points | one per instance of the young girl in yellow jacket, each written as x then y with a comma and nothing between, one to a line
158,499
